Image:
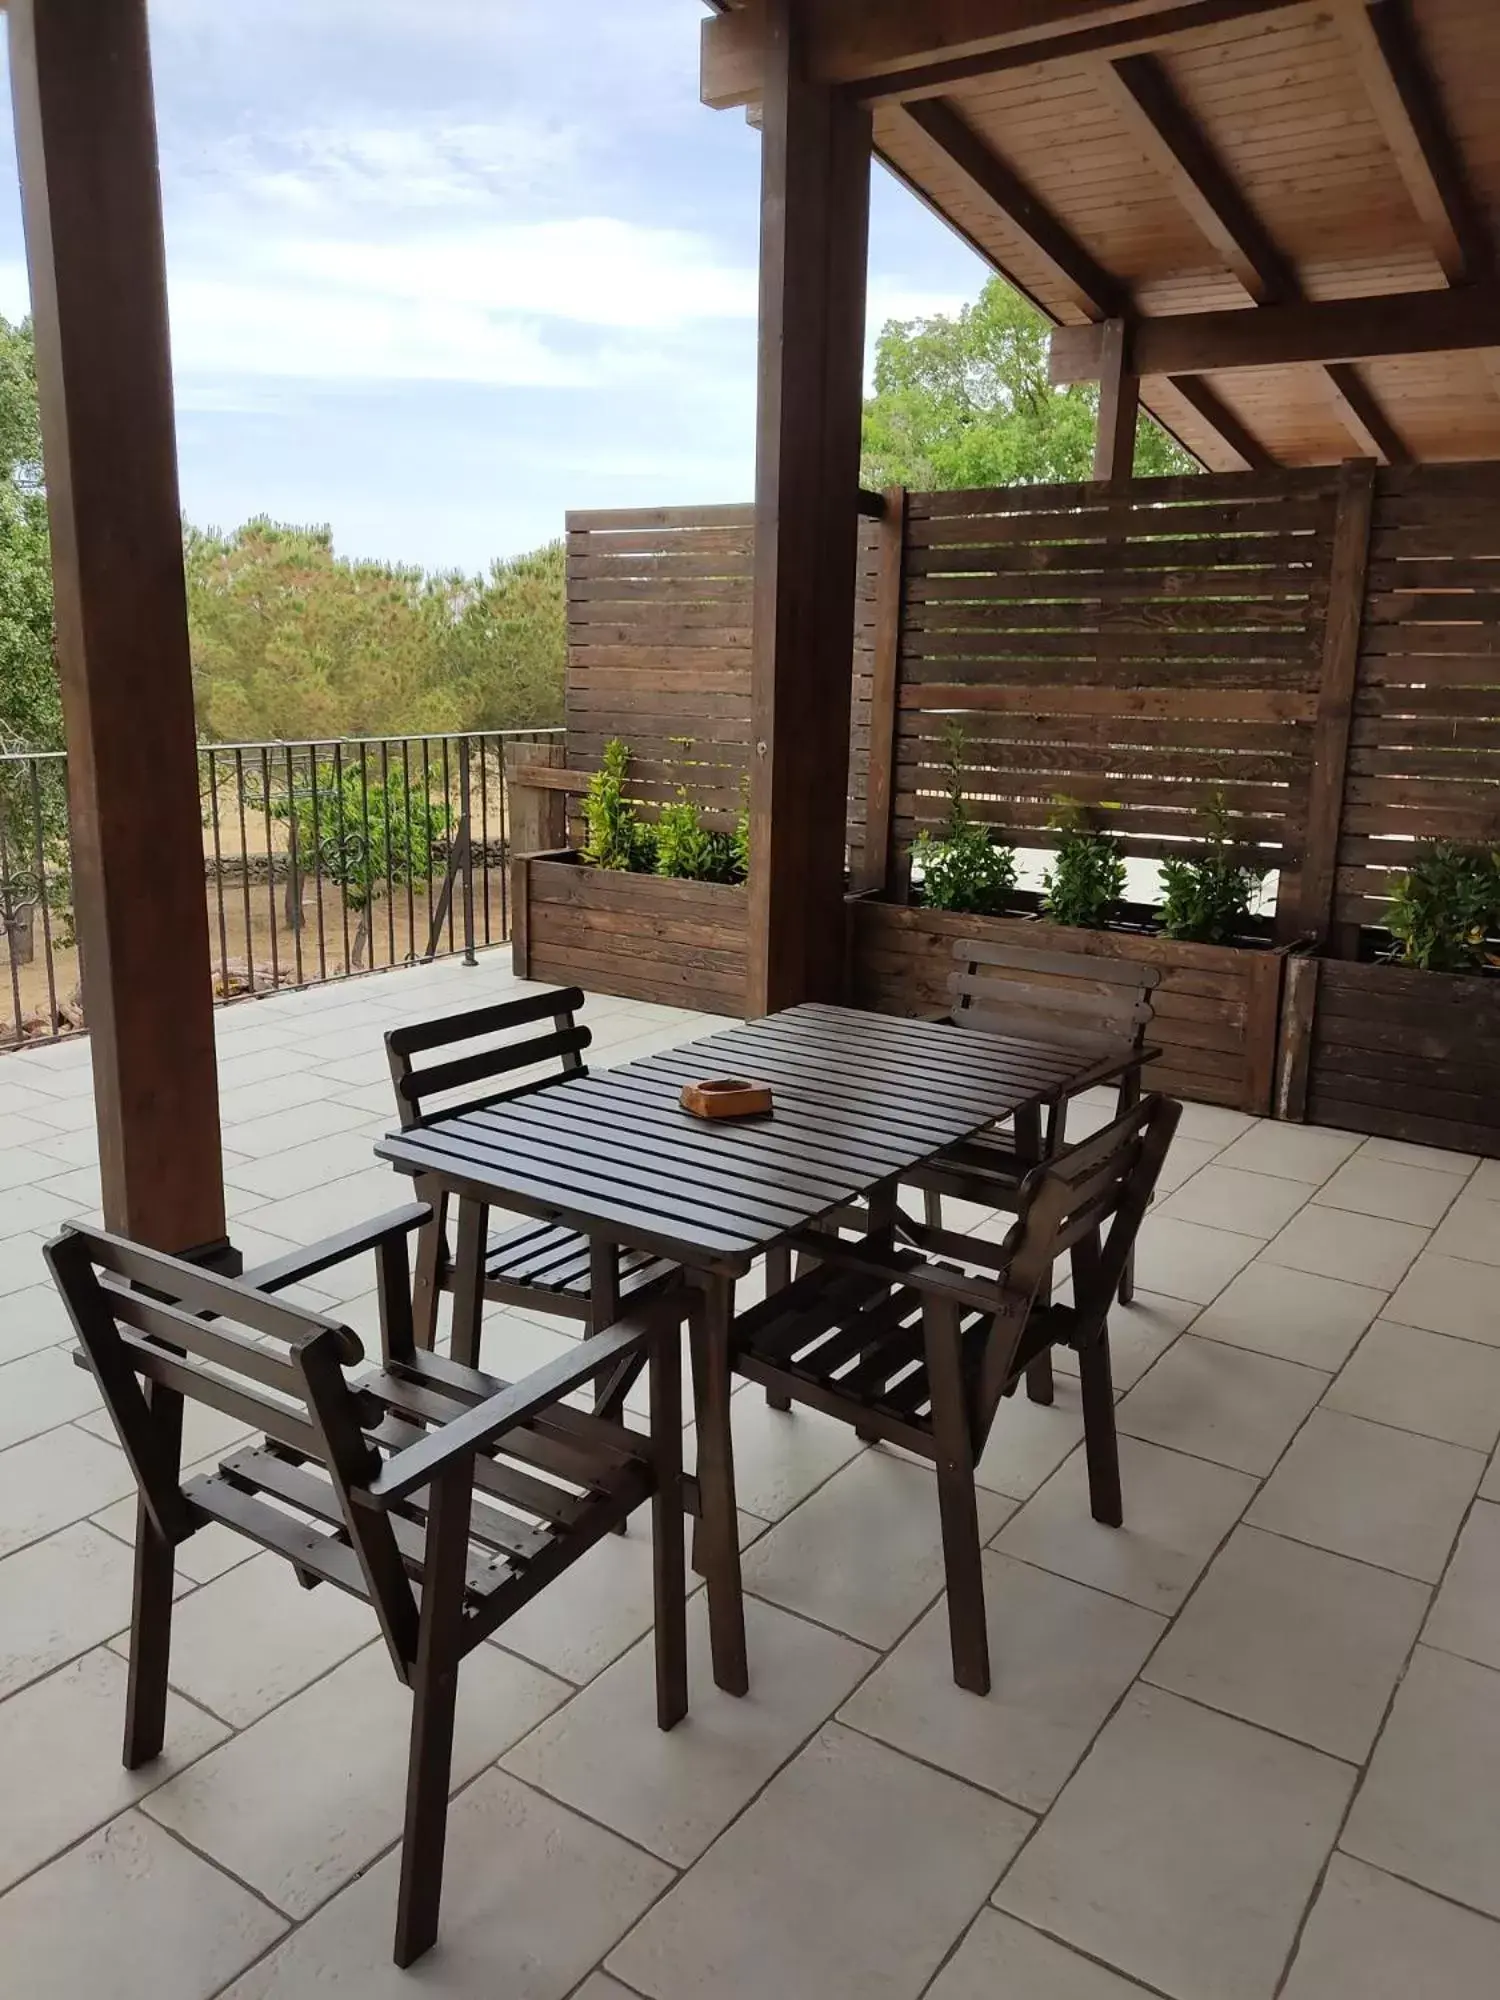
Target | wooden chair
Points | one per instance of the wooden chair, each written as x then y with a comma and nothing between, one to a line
1099,1006
919,1350
442,1497
538,1264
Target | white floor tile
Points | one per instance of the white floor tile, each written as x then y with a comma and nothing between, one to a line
1228,1828
1466,1616
58,1598
1301,1641
1188,1260
302,1801
1304,1153
1139,1334
1371,1937
54,1479
1426,1810
1292,1314
1177,1511
1389,1188
1336,1243
674,1792
1001,1959
1060,1658
1383,1496
864,1554
60,1743
42,1391
130,1915
1224,1403
1449,1295
853,1873
1229,1198
1424,1382
532,1897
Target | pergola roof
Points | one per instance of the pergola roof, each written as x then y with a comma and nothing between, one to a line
1147,160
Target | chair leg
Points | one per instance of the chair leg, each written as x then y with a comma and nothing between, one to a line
778,1277
1040,1386
669,1573
932,1209
430,1267
1100,1443
1129,1098
717,1536
151,1603
957,1501
434,1699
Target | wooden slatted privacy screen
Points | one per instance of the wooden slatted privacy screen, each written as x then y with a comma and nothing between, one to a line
659,618
1141,648
1424,756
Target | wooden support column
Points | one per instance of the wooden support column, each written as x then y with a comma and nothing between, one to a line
86,135
1119,405
815,207
880,791
1332,728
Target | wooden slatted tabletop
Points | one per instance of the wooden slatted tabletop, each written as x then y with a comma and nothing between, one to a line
859,1099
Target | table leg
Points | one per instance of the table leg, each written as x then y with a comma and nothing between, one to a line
468,1281
778,1277
717,1539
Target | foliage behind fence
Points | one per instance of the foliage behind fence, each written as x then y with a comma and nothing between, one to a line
320,860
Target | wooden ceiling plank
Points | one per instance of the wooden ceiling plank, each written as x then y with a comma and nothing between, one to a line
1404,95
1362,416
1097,291
1145,94
1209,405
1359,329
884,49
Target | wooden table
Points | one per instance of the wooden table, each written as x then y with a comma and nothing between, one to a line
860,1100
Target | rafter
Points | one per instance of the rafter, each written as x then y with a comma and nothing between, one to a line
1364,329
1176,143
888,50
1103,296
1406,100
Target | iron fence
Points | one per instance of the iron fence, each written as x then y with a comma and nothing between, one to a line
321,861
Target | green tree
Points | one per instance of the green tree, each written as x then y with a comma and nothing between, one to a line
966,402
33,797
365,835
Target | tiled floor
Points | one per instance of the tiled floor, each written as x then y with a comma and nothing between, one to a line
1246,1746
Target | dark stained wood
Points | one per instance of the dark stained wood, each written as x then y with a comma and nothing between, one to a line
1346,599
1100,293
538,817
389,1496
815,197
81,88
1294,1052
1394,323
1408,102
1119,407
919,1353
874,869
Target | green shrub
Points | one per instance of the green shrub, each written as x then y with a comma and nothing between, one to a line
364,834
690,851
1446,907
963,868
616,838
1206,897
1087,876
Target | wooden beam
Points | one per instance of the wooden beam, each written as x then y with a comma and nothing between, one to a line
1119,408
1175,142
1096,290
815,210
1406,100
880,788
86,136
1209,405
1362,416
1144,94
885,49
1438,322
1332,728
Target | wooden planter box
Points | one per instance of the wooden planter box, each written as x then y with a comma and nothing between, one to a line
1386,1050
644,937
1216,1008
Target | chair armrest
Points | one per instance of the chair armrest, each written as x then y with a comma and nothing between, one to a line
298,1265
978,1295
485,1424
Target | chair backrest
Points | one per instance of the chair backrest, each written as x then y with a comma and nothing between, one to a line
157,1332
1056,996
509,1062
1087,1204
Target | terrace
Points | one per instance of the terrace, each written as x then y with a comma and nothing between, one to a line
1256,1726
1244,1746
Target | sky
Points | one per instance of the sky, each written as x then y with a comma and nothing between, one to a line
440,272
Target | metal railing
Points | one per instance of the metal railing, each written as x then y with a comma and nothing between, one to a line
322,860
